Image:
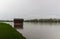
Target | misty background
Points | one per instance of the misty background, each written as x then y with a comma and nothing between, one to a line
29,9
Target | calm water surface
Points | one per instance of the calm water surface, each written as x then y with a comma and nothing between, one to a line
40,30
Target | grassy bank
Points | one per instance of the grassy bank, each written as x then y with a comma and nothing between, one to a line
7,32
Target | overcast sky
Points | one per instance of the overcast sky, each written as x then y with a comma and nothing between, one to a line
29,9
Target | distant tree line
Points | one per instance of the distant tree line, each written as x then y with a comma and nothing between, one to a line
6,20
43,20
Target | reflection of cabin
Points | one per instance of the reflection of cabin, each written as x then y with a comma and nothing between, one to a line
18,23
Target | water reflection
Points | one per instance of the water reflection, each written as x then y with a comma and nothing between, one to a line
41,30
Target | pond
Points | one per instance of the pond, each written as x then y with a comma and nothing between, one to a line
39,30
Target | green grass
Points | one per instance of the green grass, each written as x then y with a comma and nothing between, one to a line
7,32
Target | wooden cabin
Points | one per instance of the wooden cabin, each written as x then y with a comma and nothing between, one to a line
18,23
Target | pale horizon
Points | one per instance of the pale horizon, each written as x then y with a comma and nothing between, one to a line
29,9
